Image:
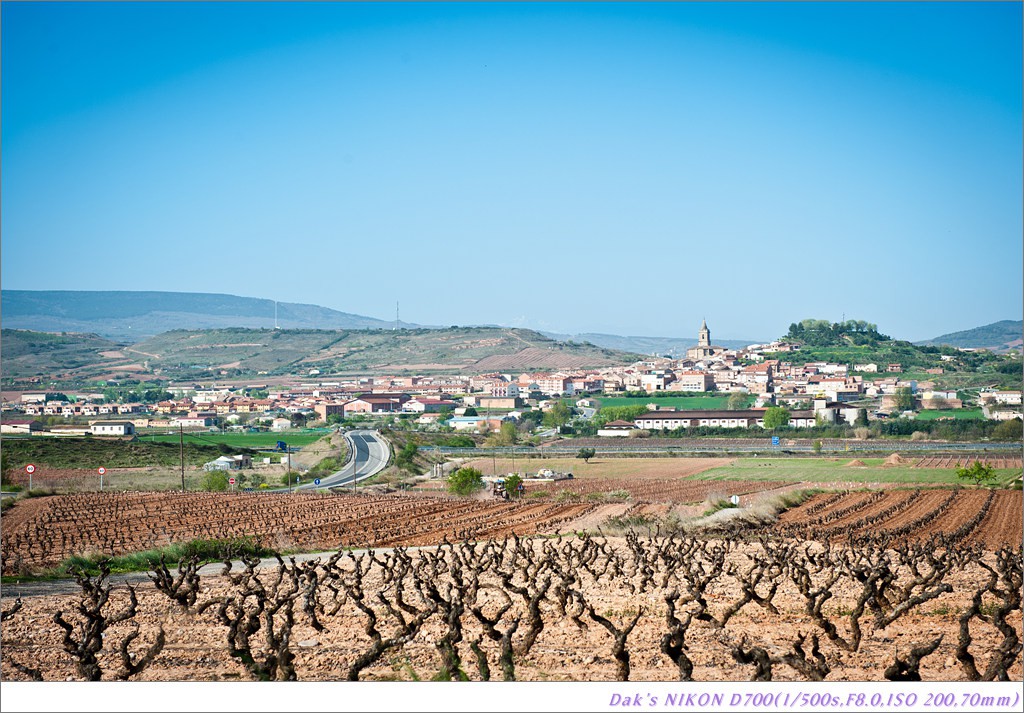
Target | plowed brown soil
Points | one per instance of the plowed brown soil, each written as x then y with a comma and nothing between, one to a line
1001,526
41,532
197,643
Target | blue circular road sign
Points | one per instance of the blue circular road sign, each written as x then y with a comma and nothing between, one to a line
316,482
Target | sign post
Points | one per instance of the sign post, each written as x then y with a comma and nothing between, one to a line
101,470
30,469
231,481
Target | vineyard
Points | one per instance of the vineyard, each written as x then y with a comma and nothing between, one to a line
41,532
651,608
991,518
963,462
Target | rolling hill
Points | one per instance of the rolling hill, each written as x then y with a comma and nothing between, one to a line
997,337
135,316
28,355
367,351
193,354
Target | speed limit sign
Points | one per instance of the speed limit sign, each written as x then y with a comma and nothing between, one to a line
101,470
30,469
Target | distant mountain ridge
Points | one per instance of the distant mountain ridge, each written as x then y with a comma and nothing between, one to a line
134,316
997,337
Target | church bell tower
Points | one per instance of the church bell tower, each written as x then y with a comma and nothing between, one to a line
704,338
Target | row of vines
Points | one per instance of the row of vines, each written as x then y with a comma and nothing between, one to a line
671,607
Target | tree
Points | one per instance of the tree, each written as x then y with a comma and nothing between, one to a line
465,481
1011,430
404,458
977,472
512,483
586,454
862,417
903,399
215,481
737,401
470,411
507,435
558,415
776,417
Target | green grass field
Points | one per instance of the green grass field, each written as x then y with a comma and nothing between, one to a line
957,413
822,470
296,439
703,403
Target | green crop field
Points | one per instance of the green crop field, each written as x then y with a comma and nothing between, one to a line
835,471
932,415
295,439
93,452
703,403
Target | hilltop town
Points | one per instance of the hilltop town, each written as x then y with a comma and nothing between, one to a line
729,388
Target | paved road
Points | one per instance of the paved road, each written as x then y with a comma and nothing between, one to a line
370,454
207,571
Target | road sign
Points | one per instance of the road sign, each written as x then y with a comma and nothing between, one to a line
316,482
101,470
30,469
231,480
735,500
775,440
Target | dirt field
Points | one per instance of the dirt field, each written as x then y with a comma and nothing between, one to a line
41,532
652,490
989,517
573,643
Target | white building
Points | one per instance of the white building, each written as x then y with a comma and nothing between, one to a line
112,428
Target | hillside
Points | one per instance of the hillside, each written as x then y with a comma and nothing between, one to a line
28,355
134,316
997,337
415,350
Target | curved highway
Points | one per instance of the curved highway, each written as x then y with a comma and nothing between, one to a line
369,455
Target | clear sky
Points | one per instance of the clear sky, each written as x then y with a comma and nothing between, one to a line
619,168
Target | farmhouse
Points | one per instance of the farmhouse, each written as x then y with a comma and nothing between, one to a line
112,428
193,421
427,405
229,463
616,429
665,419
21,427
377,403
332,409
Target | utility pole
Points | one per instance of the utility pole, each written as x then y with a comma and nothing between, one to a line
289,450
181,453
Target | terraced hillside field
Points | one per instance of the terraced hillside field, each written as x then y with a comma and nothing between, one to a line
41,532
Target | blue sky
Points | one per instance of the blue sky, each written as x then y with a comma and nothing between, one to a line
619,168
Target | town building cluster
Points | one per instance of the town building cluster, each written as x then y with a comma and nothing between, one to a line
814,393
